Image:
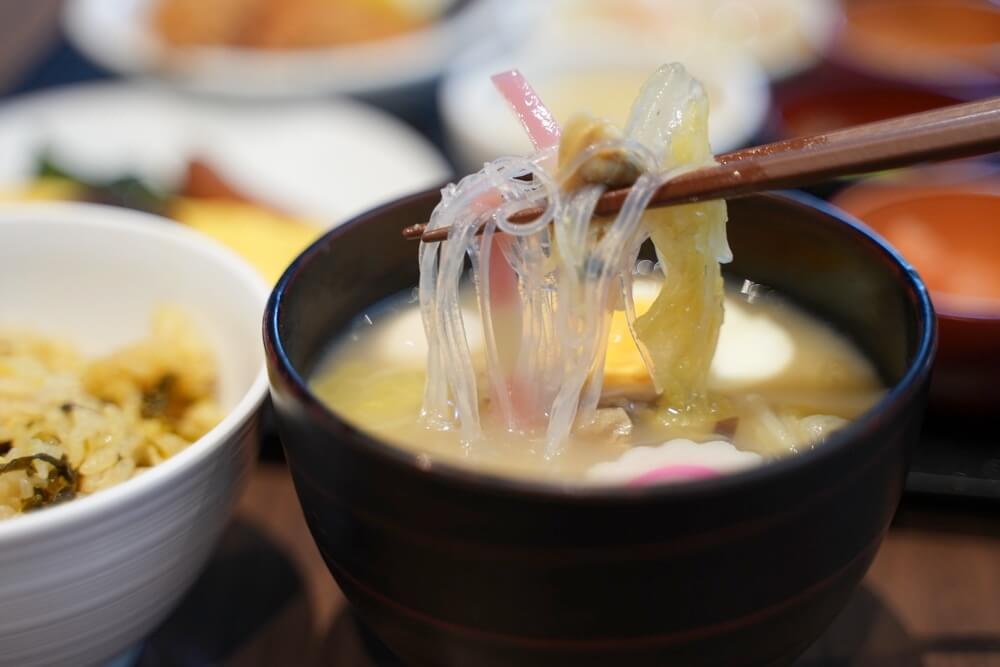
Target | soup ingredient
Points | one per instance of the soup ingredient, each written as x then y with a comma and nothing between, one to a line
680,330
773,407
625,370
674,460
515,395
404,342
610,165
776,429
566,273
538,122
72,427
753,346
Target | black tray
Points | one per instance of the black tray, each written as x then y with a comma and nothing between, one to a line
957,457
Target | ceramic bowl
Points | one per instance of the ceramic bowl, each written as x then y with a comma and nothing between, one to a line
119,36
451,567
833,98
84,581
481,127
956,204
944,45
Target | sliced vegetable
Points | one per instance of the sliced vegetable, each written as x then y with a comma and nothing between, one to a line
536,119
126,191
62,482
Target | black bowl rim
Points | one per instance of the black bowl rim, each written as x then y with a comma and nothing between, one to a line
889,405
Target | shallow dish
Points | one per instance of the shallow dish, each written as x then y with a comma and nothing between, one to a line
85,580
452,567
568,78
786,37
288,155
117,34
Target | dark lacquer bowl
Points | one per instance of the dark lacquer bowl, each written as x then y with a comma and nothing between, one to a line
450,567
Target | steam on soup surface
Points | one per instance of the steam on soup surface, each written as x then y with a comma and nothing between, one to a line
781,380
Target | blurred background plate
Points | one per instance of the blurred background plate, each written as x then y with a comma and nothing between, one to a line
122,36
786,37
952,46
602,81
324,161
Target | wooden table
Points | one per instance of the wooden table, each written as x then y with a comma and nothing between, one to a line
931,598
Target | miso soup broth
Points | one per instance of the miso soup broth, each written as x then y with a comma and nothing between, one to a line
781,381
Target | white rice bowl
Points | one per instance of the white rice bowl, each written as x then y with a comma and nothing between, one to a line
85,580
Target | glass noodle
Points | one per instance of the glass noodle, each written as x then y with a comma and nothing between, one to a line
547,289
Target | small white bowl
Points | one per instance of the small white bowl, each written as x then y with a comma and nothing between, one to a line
84,581
481,127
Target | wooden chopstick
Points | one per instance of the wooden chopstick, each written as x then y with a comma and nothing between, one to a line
961,130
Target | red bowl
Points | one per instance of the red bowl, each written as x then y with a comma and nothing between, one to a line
946,45
945,220
831,98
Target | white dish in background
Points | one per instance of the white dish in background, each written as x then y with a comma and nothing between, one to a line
785,37
117,34
325,160
85,580
482,127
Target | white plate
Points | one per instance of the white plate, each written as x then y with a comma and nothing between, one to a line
481,127
786,37
324,160
117,35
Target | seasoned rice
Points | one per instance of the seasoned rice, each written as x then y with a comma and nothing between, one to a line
71,426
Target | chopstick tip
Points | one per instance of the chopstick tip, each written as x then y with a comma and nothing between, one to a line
414,232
